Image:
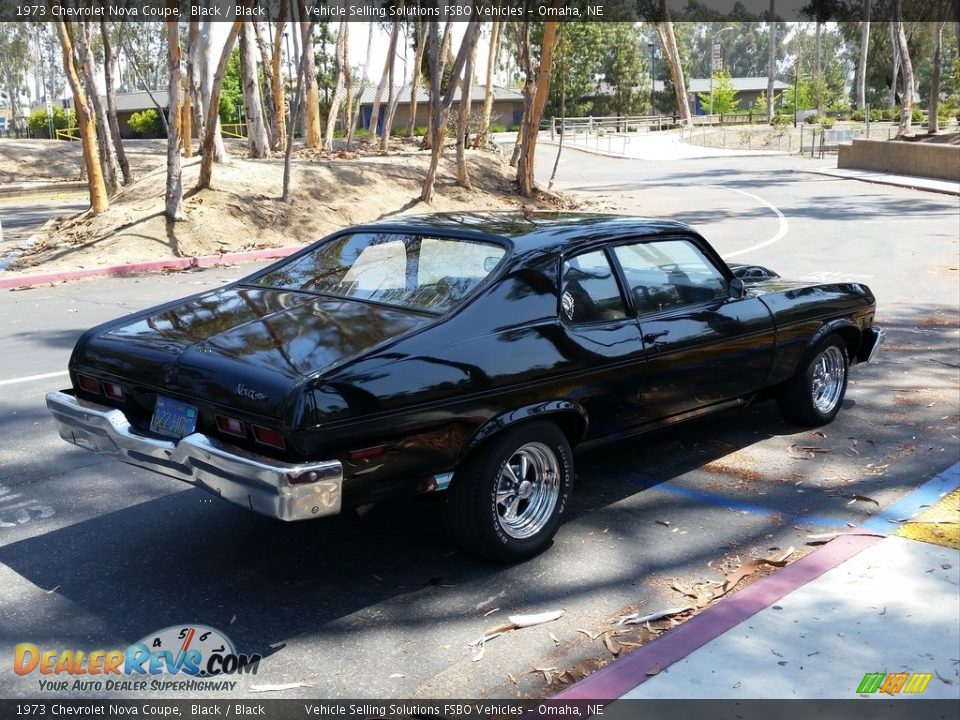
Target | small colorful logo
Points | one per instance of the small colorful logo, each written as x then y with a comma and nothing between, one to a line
893,683
194,650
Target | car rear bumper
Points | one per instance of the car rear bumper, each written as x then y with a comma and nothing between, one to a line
872,339
253,481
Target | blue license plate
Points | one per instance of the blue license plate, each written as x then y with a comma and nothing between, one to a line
173,418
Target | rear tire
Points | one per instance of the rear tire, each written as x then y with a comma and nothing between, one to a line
508,497
814,395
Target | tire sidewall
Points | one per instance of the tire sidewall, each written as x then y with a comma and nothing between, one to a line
807,377
507,547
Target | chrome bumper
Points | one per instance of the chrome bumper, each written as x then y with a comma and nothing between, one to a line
256,482
872,338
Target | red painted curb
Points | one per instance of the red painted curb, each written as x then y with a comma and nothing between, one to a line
624,675
20,281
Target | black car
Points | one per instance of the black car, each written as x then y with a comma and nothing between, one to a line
465,353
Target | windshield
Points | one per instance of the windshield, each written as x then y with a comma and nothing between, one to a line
420,272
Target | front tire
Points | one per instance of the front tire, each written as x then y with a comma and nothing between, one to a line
814,395
509,496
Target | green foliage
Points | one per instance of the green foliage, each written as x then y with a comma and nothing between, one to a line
146,124
624,70
577,60
497,128
724,96
39,124
782,119
231,94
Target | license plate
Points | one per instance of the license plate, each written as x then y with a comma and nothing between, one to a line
173,418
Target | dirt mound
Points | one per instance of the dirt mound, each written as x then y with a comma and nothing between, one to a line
243,211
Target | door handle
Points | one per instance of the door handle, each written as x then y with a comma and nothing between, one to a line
651,338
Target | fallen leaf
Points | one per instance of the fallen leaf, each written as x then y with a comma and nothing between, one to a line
491,611
663,522
655,670
861,498
512,679
945,566
233,620
396,675
745,570
776,653
884,611
522,621
278,687
554,638
612,645
592,636
813,653
53,590
944,680
277,645
652,616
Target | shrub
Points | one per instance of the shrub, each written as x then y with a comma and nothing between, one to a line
782,119
39,124
876,115
497,128
811,119
917,115
146,124
857,116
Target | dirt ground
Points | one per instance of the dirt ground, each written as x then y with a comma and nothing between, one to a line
243,211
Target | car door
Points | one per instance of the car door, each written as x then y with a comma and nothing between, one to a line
602,343
703,345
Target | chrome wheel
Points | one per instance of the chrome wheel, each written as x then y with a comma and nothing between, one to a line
527,490
828,378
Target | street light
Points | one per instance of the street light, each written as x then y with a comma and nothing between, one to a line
714,52
653,75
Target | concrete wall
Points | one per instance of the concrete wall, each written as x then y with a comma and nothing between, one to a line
920,159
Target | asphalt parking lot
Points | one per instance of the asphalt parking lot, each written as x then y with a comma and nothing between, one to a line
97,554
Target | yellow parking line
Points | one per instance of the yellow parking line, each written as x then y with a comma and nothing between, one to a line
938,524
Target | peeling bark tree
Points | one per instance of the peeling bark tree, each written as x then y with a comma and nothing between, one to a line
906,100
88,136
440,104
343,72
539,88
207,95
771,59
267,97
862,61
258,143
212,122
363,87
194,99
669,43
311,116
297,98
421,30
384,79
276,82
463,118
108,62
391,105
484,132
933,105
174,188
84,58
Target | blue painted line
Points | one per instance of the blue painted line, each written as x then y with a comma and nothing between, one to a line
913,502
646,482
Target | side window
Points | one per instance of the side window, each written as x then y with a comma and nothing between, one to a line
668,274
590,292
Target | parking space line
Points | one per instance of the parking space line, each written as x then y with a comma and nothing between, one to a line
31,378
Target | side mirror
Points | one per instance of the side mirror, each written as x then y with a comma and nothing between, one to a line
736,288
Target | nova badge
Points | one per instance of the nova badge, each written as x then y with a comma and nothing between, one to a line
249,393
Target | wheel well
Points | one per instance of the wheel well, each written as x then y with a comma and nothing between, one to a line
571,424
851,337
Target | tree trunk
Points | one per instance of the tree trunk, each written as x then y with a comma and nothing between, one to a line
669,43
84,59
415,83
484,132
388,117
363,87
906,106
436,120
862,63
378,97
892,97
212,123
186,119
174,187
88,135
817,71
933,105
193,85
343,71
463,120
311,118
108,62
771,59
258,143
297,97
206,92
531,128
266,64
276,81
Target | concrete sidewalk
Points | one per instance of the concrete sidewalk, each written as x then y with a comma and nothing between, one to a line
909,181
883,598
664,145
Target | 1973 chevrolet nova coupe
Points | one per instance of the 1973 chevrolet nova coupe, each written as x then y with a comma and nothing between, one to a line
466,353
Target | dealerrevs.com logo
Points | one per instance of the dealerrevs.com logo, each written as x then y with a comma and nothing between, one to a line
194,651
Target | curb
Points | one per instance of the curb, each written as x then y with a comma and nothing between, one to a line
623,675
14,189
24,281
883,179
617,156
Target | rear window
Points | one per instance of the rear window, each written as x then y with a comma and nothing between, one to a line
419,272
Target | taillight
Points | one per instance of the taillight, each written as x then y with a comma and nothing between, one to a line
91,385
113,391
268,436
230,426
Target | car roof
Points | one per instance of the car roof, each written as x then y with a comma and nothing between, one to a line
536,231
